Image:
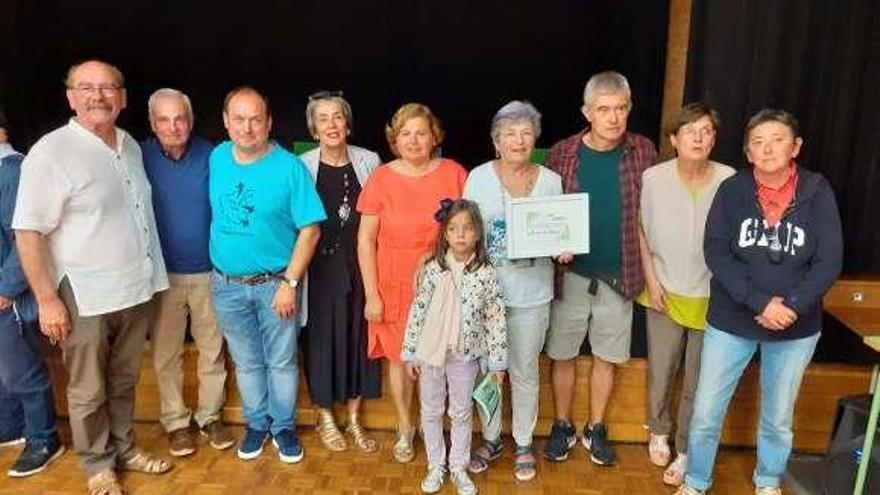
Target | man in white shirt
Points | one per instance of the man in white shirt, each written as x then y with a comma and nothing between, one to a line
90,251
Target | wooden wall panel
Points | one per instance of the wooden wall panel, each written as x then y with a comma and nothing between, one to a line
823,385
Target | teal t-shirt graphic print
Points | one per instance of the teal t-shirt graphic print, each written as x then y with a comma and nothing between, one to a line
258,209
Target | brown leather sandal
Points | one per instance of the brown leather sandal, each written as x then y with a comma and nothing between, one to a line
144,462
360,436
105,483
328,432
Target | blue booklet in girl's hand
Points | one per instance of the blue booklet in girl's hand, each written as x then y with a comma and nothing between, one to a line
487,395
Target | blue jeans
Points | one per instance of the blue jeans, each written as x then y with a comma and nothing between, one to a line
26,404
724,358
263,347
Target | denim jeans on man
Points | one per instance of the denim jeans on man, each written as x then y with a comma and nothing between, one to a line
26,405
782,366
263,347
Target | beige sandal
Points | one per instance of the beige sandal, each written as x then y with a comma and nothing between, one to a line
328,432
105,483
403,447
359,435
144,462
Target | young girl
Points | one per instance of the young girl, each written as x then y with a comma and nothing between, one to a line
456,325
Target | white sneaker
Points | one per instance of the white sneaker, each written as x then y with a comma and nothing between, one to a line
433,481
463,483
686,490
768,490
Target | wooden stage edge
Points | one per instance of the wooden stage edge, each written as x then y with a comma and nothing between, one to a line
823,385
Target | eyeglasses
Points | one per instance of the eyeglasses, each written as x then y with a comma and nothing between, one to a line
323,95
702,131
774,251
106,89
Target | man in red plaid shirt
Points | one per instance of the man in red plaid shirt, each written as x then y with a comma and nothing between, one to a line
595,290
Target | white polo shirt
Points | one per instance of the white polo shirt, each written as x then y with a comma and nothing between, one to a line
93,204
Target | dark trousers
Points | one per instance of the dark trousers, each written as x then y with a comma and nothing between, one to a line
26,405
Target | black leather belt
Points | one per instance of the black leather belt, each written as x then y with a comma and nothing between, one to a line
258,279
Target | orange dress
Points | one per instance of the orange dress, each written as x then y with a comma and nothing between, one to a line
407,230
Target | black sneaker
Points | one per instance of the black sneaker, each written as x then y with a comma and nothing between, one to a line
11,439
562,439
34,458
595,439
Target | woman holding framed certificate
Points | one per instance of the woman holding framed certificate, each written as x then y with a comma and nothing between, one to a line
527,283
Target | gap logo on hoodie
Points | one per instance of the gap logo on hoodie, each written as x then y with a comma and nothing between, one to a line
756,231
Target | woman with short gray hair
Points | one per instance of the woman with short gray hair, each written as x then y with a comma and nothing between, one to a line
335,351
527,283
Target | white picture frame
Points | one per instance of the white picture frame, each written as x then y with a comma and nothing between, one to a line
548,225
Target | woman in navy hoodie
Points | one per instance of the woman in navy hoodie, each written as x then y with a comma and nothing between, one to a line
774,246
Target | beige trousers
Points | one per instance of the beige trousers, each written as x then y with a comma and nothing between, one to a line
666,342
189,295
102,356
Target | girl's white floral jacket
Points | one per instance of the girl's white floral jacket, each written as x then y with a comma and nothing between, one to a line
483,325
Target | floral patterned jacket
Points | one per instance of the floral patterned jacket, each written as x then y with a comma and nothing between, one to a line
483,324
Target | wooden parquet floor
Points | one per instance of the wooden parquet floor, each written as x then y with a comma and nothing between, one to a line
211,472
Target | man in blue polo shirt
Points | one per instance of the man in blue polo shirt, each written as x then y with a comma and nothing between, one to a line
177,166
264,231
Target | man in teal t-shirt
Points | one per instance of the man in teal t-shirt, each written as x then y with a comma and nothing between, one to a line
264,229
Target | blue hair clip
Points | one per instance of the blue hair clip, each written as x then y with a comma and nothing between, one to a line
445,208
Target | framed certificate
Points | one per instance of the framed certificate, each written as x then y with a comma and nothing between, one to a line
548,225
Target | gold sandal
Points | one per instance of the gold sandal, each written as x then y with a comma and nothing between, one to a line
359,435
105,483
328,432
144,462
403,448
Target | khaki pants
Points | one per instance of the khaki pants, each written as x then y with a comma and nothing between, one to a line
189,294
666,341
102,356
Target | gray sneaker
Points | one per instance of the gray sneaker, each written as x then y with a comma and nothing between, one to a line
687,490
433,481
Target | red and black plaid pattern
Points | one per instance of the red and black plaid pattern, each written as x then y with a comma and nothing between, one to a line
639,153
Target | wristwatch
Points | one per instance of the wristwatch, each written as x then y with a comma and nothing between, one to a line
291,282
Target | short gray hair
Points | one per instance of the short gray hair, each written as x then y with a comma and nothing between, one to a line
604,83
516,111
165,92
326,96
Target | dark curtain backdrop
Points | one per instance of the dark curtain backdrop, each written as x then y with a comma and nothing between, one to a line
464,58
819,59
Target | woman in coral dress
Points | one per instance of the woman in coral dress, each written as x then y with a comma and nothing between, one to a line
397,229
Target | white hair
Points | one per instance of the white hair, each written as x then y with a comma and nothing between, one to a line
516,111
163,92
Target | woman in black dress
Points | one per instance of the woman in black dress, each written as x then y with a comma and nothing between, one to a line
336,364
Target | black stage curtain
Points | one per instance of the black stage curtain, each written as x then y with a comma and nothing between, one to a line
463,58
819,59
